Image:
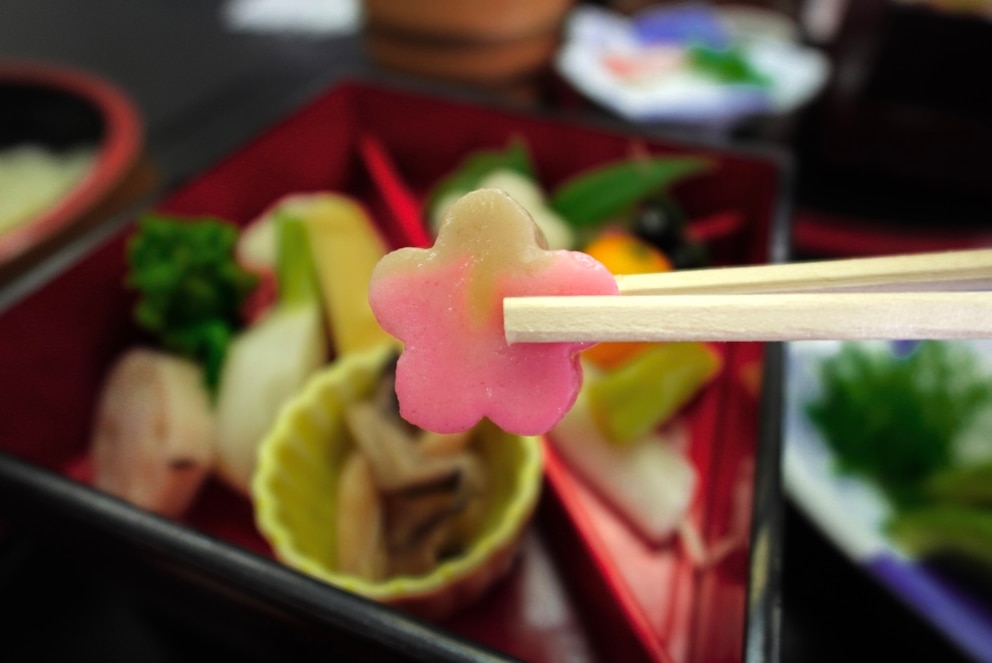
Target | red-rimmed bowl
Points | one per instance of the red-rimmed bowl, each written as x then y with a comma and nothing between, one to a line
59,107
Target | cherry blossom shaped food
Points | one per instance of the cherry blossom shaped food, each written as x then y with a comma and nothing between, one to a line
445,304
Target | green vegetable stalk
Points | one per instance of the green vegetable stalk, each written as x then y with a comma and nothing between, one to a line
295,270
272,359
191,288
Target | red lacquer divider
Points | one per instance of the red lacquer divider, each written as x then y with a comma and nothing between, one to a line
405,219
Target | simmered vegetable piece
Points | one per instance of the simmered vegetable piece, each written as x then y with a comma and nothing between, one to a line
402,507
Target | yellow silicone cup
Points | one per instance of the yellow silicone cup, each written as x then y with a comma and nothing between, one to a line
295,492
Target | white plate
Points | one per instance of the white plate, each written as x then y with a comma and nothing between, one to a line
596,40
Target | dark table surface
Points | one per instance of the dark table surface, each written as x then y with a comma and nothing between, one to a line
202,90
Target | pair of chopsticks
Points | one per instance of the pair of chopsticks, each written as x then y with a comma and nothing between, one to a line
906,297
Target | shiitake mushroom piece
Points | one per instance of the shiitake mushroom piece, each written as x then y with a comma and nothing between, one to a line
396,462
411,513
427,524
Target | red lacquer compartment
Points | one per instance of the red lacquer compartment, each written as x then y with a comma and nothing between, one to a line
585,588
823,235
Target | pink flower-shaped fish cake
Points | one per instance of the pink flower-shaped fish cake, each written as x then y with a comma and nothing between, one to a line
445,304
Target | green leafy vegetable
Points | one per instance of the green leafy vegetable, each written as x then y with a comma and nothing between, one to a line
596,196
920,427
896,420
726,65
191,288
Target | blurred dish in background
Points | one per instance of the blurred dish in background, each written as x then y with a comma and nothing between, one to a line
34,177
501,46
68,140
690,64
898,479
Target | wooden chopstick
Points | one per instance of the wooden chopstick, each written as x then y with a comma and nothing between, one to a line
762,317
919,296
918,272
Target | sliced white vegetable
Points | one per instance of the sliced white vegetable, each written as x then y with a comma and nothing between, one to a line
256,248
648,481
265,365
154,431
527,192
396,461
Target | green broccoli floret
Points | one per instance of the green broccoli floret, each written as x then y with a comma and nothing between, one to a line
191,288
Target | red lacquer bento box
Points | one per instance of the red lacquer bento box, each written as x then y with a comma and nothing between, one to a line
584,587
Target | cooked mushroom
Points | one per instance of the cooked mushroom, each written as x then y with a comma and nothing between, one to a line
396,463
427,490
426,523
443,444
360,522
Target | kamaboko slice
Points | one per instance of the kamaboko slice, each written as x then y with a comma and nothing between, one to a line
153,435
445,303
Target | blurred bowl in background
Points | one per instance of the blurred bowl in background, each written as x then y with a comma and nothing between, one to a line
690,65
491,44
52,118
